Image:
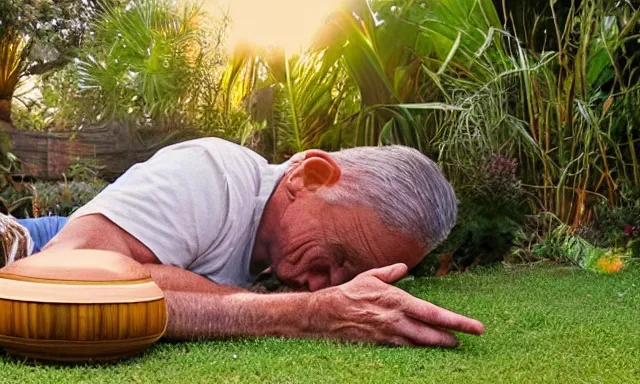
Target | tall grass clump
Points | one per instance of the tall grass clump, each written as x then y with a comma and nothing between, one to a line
581,109
569,116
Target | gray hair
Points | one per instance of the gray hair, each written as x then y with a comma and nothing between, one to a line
405,187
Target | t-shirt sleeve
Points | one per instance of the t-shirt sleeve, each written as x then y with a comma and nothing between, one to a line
174,203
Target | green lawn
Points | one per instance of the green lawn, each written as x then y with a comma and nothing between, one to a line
544,324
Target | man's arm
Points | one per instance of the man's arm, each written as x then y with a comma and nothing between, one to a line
201,309
366,309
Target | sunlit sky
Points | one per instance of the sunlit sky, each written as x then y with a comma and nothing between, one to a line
288,23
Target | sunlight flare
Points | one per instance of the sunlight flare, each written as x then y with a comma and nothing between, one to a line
289,24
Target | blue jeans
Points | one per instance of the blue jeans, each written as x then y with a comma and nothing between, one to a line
43,229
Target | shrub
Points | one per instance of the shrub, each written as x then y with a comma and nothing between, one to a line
617,227
564,245
49,198
63,198
490,212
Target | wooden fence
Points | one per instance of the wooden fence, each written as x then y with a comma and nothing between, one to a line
47,155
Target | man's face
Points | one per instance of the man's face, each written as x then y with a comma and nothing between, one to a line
320,244
313,244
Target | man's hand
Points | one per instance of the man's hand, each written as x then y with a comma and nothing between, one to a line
367,308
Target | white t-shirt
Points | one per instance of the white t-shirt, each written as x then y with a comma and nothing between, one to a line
196,205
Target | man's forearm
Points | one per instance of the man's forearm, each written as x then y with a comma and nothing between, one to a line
201,309
195,315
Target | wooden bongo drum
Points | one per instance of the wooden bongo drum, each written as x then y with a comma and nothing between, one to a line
79,306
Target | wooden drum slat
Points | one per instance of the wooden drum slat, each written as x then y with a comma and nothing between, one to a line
81,322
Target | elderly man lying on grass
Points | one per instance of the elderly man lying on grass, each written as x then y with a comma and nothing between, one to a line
207,216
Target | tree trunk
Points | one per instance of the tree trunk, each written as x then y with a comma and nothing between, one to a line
5,110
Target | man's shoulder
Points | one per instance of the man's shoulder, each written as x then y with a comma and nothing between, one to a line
214,145
208,154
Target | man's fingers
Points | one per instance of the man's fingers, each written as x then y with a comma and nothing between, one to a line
389,274
424,336
433,315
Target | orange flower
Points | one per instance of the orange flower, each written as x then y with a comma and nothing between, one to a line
610,265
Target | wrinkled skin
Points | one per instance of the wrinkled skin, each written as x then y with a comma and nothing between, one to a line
368,308
312,244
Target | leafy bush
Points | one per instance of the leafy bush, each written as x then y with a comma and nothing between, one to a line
85,170
49,198
561,245
15,197
490,212
564,245
617,227
60,107
150,64
23,198
30,117
63,198
154,64
36,37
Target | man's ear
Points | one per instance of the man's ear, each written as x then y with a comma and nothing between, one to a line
316,169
